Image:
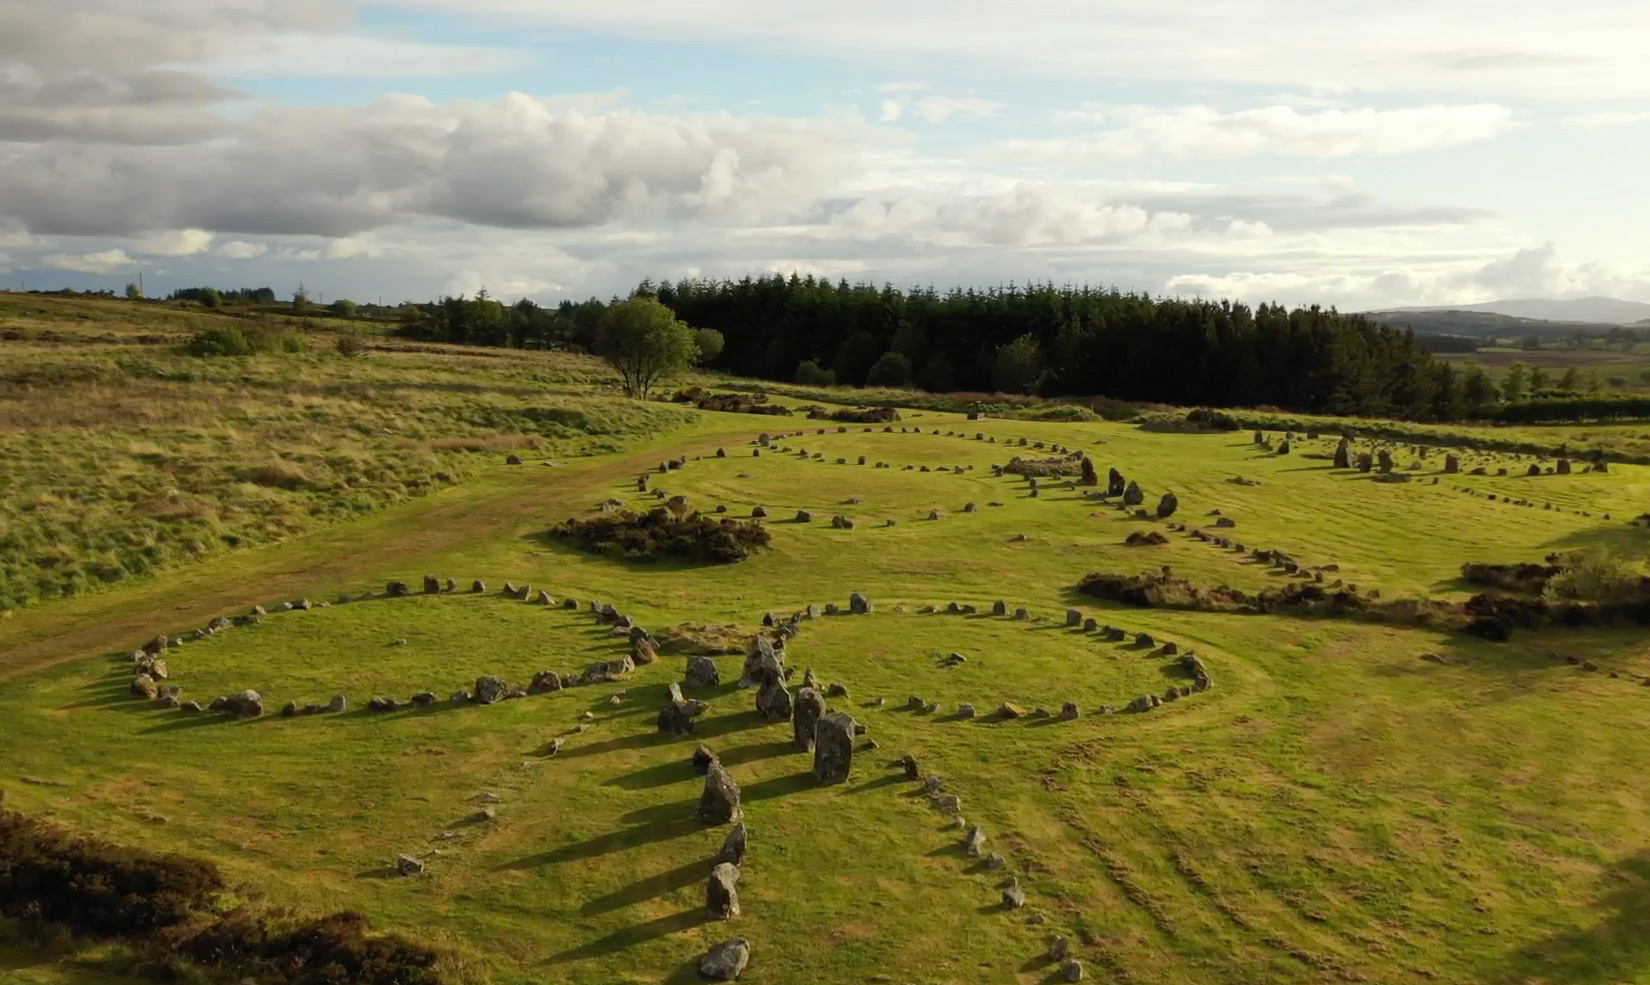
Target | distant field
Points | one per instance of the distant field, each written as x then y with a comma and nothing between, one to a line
1348,802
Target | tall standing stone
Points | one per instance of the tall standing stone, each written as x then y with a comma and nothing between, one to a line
834,747
1167,505
1452,465
1343,454
719,803
773,702
1384,458
1115,486
1132,496
721,896
810,708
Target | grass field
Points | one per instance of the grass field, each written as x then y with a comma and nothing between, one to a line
1335,808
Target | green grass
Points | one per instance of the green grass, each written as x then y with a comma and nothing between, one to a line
1336,808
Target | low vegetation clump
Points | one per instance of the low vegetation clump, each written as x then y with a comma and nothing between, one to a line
1596,577
855,415
1043,467
94,888
658,534
731,403
339,949
1522,577
235,340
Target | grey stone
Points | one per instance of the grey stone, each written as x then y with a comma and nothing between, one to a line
965,710
721,894
1072,970
702,672
719,803
734,846
1014,897
408,866
809,709
834,747
726,961
974,841
773,702
858,604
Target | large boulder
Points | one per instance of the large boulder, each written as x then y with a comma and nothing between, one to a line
143,686
245,704
726,961
397,589
1167,505
721,894
810,708
1132,496
773,702
432,585
858,604
702,672
834,747
719,803
489,689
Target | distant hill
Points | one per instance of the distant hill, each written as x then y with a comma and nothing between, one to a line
1430,323
1596,310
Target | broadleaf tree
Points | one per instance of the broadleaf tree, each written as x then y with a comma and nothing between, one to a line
645,342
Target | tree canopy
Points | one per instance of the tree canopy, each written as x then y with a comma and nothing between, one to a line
645,342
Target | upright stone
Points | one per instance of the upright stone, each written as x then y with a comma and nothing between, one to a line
432,585
719,803
1115,486
858,604
773,702
834,747
1167,505
1343,454
721,896
726,961
810,708
1384,457
1452,465
734,846
1132,496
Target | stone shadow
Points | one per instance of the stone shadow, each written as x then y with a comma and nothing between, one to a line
650,887
621,940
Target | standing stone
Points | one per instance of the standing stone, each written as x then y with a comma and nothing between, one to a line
810,708
1384,457
1132,496
1115,486
974,841
677,715
702,672
1072,970
726,961
1343,454
338,704
1090,476
733,846
1074,618
834,747
432,585
1563,466
719,803
773,702
1167,505
1260,437
703,757
1452,465
1068,711
764,662
858,604
1366,461
397,589
999,608
721,898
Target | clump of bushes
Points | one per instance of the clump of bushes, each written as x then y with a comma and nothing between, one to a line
856,415
163,904
1213,420
233,340
1525,577
1602,578
350,345
658,534
92,887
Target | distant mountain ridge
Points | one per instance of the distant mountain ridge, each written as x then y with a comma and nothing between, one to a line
1597,310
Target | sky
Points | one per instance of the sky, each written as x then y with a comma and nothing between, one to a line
1358,154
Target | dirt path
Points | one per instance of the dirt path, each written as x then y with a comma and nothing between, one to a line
380,547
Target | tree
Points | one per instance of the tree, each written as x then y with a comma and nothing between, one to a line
709,343
343,308
1019,365
1570,381
810,373
133,292
645,342
1477,392
211,297
1512,386
300,299
893,369
1540,380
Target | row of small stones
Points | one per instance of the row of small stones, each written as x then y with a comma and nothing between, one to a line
1074,620
1277,559
973,843
1518,502
150,667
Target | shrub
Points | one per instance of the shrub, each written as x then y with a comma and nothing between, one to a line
892,369
332,950
93,887
1509,577
657,534
1597,577
349,344
231,340
856,415
810,373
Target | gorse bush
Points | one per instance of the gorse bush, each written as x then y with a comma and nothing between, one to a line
233,340
93,887
658,534
332,950
1596,577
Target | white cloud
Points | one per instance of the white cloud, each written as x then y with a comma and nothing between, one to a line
294,53
105,262
1508,48
891,111
1606,119
938,109
173,243
1205,132
241,250
903,85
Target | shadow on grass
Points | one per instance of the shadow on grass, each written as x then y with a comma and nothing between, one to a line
892,779
674,821
382,872
756,752
651,887
1613,948
630,936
